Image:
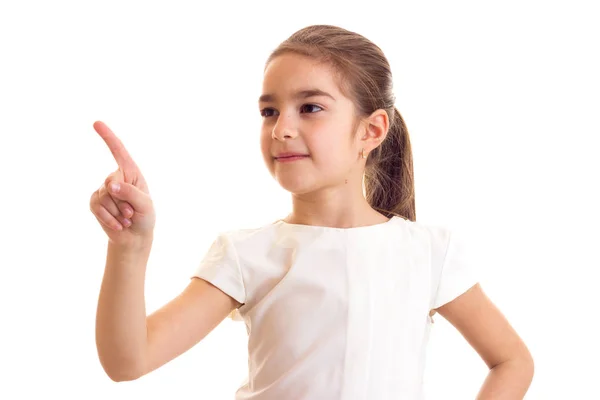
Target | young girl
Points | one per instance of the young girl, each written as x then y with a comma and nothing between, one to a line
337,297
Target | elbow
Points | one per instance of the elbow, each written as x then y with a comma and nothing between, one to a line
526,362
523,366
530,367
120,371
523,362
122,376
527,369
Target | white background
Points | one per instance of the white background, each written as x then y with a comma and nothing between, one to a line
501,102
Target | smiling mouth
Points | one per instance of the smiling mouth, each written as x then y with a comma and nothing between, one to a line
290,159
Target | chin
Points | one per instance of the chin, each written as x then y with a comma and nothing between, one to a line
295,183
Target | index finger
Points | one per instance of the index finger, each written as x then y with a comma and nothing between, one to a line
116,147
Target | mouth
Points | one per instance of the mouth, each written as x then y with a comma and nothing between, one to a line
291,158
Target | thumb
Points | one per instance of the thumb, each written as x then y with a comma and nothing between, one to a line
140,201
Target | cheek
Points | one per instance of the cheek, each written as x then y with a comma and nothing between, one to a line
331,152
332,162
265,148
265,143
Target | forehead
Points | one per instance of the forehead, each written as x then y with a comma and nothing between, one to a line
289,72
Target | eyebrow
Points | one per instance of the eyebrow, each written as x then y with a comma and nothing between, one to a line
302,94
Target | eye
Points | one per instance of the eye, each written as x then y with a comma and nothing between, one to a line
311,105
264,111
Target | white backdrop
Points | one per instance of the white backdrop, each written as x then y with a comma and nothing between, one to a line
501,101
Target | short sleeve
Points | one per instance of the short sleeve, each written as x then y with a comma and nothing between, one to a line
220,266
457,270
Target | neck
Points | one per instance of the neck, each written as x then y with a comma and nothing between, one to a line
339,207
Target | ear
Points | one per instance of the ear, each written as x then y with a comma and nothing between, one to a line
377,126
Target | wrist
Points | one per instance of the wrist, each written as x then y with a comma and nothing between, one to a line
132,246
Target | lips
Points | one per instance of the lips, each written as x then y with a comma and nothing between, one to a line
290,155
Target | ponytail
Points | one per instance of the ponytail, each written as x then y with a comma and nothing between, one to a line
389,178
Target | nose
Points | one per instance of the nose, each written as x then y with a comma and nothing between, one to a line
284,128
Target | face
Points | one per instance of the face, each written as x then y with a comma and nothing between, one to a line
320,125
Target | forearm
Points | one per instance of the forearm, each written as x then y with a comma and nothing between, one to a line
121,314
507,381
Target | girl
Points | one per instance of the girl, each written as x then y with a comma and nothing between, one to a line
337,297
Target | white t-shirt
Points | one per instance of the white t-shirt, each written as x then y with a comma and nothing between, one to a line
337,313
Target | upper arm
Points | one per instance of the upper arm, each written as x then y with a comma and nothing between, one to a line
460,299
184,321
484,327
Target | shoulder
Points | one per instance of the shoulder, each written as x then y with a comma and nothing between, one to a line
247,237
430,234
444,245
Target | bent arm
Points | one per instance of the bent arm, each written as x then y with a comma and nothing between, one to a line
131,344
185,321
121,314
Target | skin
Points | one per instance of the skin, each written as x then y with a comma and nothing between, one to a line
326,190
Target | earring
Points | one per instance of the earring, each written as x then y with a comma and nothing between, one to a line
363,153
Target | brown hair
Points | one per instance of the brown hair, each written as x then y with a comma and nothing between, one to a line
363,74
